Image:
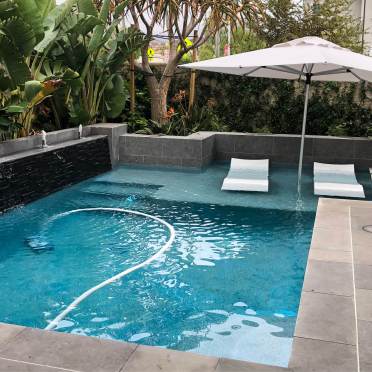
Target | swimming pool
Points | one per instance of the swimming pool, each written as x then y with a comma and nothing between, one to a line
229,285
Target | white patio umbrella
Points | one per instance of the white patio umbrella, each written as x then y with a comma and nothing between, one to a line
308,59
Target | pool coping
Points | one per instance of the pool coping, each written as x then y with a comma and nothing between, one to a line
49,148
328,336
333,330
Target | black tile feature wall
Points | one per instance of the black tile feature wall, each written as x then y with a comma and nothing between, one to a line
29,178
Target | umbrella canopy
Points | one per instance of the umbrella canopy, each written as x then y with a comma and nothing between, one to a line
307,59
326,61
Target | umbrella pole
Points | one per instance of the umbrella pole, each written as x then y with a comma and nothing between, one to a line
307,91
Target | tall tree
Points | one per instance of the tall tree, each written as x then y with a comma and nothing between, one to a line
329,19
180,18
332,20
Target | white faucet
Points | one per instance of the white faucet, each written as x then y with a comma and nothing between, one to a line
43,139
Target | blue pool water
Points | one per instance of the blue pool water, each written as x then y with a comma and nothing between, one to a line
229,286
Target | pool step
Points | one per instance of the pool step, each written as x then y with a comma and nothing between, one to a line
120,189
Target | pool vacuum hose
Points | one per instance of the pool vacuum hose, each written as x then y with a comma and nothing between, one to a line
54,323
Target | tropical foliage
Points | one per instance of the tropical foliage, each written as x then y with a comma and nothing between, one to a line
261,105
66,65
21,29
68,56
180,120
180,18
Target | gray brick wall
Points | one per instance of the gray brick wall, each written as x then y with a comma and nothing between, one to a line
200,149
192,151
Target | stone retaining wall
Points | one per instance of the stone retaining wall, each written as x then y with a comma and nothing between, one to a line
27,176
200,149
196,150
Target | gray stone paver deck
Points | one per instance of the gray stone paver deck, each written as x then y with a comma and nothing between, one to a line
326,317
365,345
362,249
330,278
334,310
320,356
16,366
31,350
67,351
326,329
228,365
156,359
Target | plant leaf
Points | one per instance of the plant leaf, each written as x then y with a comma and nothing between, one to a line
87,7
21,107
99,30
30,13
13,61
32,88
116,97
119,10
22,35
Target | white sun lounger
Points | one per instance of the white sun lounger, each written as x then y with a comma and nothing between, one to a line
336,180
247,175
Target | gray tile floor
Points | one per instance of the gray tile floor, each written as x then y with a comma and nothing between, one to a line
335,315
334,310
362,250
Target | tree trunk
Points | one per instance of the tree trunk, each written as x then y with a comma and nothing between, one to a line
159,94
159,89
154,91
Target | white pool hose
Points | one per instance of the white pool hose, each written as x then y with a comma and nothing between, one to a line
54,323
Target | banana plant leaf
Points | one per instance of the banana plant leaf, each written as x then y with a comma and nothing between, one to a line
30,13
7,9
5,83
21,34
126,43
82,24
32,88
78,115
59,13
119,10
45,6
115,96
99,31
87,7
14,62
17,109
8,126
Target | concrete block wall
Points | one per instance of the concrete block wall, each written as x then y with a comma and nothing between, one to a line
286,148
196,150
112,131
32,142
200,149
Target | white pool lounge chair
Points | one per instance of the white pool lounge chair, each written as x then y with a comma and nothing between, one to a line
247,175
336,180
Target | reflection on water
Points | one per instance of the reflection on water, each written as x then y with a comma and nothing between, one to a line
229,286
